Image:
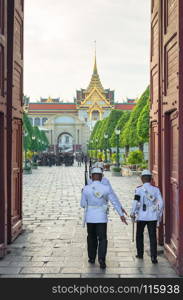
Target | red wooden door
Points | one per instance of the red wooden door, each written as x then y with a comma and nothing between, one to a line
15,102
167,116
3,132
171,183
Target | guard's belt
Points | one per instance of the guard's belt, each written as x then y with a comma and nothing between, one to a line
137,198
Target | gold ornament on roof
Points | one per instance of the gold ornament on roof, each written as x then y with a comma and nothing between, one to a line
49,100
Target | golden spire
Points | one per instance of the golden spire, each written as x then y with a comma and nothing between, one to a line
95,80
95,62
49,100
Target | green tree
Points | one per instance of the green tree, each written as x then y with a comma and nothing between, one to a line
93,135
44,140
100,134
124,139
27,133
120,125
130,136
143,123
135,157
110,125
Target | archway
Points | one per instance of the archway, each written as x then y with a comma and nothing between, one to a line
95,115
65,142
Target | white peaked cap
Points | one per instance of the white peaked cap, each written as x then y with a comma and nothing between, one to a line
96,171
146,172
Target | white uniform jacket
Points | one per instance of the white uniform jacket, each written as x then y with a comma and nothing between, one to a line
94,199
106,182
149,197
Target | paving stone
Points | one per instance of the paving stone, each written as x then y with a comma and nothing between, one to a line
4,263
21,276
42,270
48,258
54,264
71,270
158,270
61,275
9,270
99,276
26,264
113,271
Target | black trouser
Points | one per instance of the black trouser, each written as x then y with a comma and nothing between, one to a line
151,226
97,238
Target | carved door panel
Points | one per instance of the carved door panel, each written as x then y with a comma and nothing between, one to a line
171,183
15,102
16,201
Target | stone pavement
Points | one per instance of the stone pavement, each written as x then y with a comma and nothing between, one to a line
53,243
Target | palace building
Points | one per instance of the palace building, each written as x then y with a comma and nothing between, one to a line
68,125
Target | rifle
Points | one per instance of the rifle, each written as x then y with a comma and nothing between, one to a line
133,229
86,172
90,168
86,183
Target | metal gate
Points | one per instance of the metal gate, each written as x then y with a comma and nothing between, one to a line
3,132
15,102
166,120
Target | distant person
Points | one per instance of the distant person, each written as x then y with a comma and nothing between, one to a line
79,159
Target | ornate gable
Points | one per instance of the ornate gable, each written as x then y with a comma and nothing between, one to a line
95,96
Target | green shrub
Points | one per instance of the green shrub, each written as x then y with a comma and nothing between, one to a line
135,157
116,169
144,165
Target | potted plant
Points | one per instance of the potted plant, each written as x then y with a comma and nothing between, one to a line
27,168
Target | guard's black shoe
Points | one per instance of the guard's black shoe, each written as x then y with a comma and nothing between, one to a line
91,261
139,256
102,264
154,260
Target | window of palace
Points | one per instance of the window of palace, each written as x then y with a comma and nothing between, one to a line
44,120
37,122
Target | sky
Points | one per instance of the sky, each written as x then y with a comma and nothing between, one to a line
59,46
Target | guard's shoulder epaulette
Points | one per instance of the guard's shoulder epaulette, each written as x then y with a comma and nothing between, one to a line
138,186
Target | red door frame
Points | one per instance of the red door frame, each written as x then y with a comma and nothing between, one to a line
3,131
14,117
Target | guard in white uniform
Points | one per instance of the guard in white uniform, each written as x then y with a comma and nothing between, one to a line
147,209
94,200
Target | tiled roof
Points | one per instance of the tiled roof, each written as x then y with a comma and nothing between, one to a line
124,106
51,106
